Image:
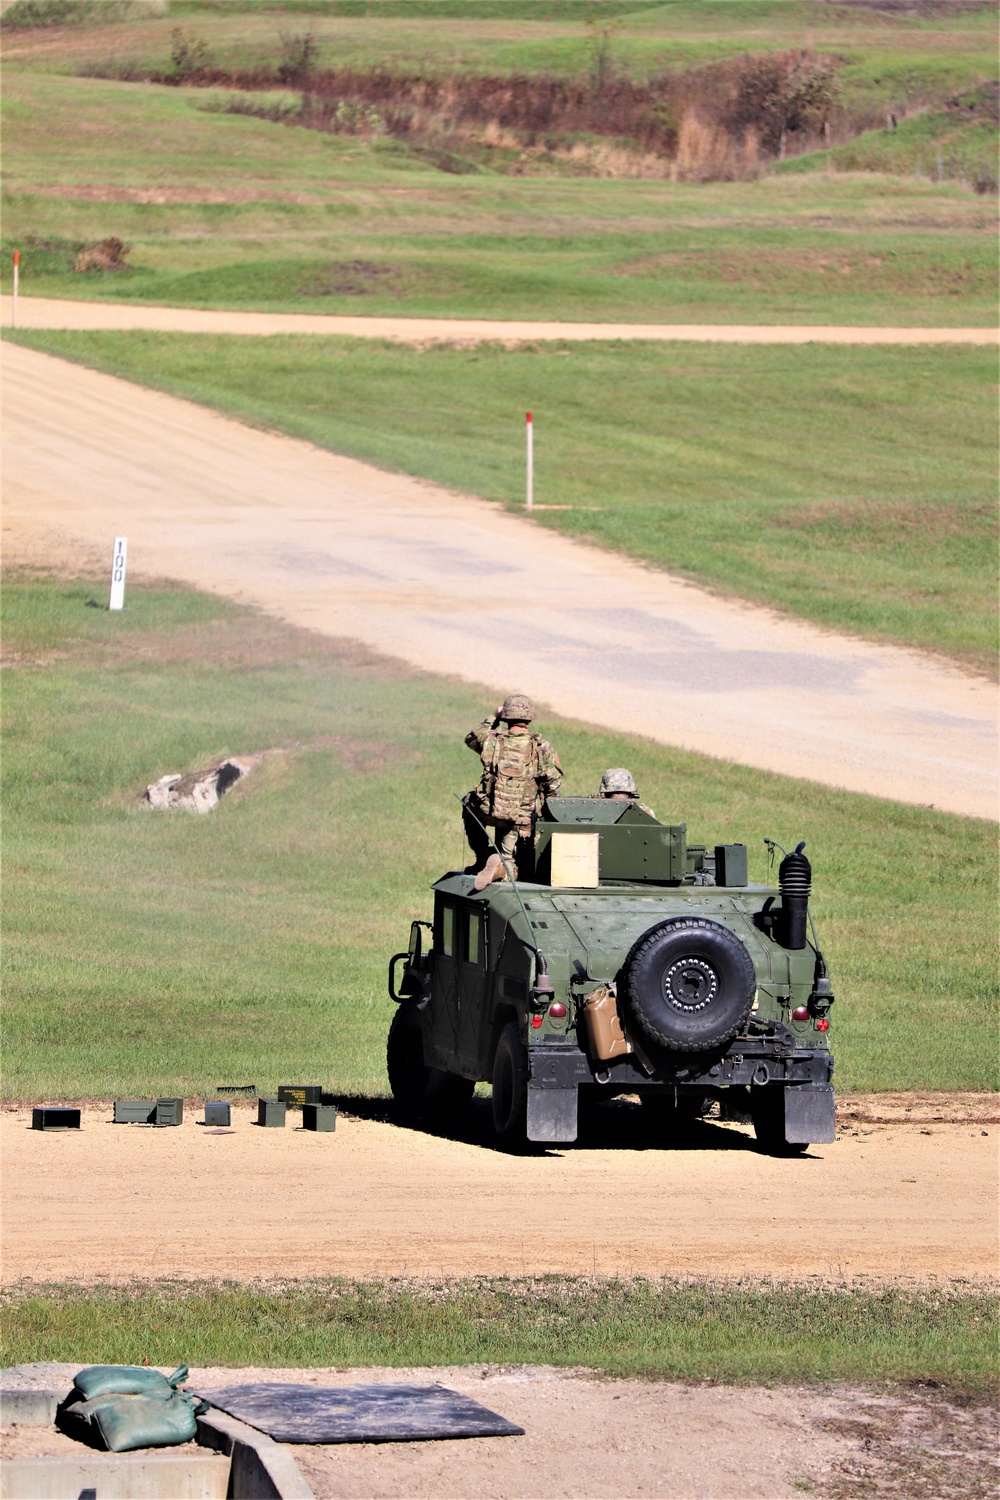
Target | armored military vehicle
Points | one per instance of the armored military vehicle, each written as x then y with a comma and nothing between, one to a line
631,962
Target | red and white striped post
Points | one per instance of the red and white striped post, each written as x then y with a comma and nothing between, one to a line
13,300
529,497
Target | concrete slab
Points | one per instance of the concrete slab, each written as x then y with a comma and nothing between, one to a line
118,1476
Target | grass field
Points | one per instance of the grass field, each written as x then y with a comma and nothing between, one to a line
726,465
737,1333
882,57
224,210
147,952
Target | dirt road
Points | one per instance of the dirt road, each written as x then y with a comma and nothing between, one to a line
455,585
47,312
377,1200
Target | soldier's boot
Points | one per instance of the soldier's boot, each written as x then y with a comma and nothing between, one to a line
492,870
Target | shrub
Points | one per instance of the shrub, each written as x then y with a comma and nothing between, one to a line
188,53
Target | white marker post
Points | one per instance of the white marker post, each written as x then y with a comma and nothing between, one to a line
13,300
117,600
529,498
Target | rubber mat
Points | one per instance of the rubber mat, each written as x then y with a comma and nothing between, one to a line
359,1413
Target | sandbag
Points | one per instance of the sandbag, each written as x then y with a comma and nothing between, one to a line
121,1407
151,1419
125,1380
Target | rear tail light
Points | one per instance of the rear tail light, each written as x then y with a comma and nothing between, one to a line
800,1013
823,1025
558,1010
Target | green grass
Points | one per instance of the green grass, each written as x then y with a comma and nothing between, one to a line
724,464
947,49
733,1332
151,952
225,210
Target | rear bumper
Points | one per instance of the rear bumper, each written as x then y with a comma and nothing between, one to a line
750,1064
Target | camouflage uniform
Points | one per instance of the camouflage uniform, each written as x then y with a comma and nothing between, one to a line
520,770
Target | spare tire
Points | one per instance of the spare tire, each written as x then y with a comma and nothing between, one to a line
689,984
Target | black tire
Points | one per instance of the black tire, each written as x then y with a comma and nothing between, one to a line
767,1110
689,984
420,1092
510,1090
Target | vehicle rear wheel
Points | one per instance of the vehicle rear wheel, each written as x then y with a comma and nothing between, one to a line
420,1092
510,1090
767,1110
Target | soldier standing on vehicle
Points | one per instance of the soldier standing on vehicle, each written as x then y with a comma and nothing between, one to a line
520,770
618,785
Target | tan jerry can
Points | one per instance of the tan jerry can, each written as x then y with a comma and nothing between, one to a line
603,1025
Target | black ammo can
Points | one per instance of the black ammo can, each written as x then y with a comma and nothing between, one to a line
319,1117
217,1112
297,1095
55,1118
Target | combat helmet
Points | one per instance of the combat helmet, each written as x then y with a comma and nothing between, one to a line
518,706
617,779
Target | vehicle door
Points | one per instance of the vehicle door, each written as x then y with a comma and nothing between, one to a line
471,982
441,1034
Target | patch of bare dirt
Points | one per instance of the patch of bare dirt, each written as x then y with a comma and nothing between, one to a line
106,192
20,1440
919,1107
352,278
864,524
914,1448
376,1199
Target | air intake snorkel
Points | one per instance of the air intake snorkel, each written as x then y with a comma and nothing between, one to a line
794,882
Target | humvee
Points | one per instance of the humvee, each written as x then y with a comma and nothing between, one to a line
631,962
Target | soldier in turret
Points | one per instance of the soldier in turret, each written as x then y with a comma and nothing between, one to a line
618,785
520,770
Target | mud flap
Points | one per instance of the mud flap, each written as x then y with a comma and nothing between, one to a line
809,1115
551,1114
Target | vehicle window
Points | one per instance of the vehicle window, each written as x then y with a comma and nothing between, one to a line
447,938
474,937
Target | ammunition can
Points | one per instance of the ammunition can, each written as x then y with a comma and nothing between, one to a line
297,1094
169,1112
134,1111
55,1119
319,1117
271,1112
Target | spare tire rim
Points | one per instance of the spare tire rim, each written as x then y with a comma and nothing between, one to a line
690,984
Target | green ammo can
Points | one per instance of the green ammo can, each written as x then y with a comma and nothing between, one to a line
319,1117
135,1111
271,1112
169,1112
